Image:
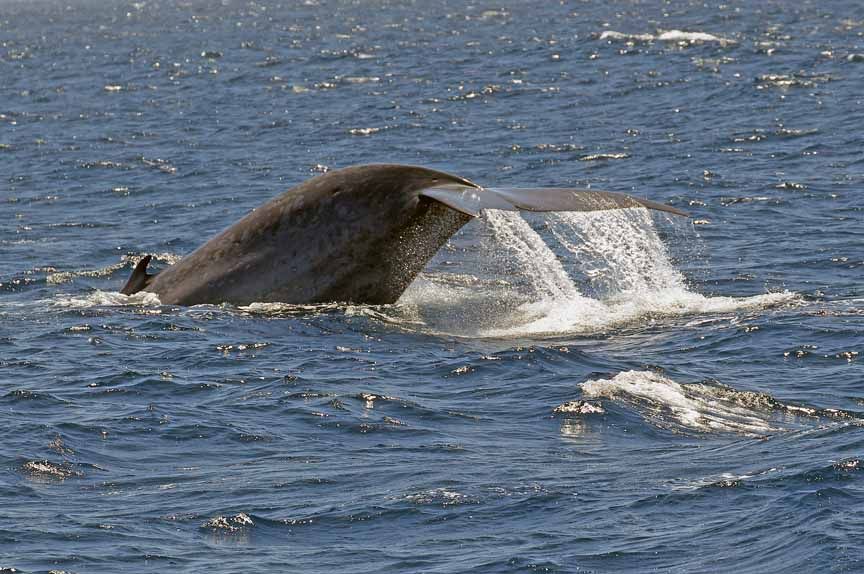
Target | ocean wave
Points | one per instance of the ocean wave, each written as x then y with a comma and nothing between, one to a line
704,408
45,469
666,36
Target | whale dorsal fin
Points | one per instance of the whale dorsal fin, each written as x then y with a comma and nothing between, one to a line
471,200
140,278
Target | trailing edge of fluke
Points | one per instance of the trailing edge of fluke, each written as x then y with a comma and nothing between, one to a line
359,234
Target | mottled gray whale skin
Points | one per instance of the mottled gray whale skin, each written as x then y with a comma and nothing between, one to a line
359,234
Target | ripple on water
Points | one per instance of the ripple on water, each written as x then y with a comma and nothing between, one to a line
26,398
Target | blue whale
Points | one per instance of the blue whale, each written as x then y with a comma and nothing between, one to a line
359,235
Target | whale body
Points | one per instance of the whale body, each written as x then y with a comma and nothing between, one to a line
358,235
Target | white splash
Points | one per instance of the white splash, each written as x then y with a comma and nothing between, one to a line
625,265
619,250
529,251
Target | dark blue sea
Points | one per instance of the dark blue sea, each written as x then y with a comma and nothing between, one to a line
571,392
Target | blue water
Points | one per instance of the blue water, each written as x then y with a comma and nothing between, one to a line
568,393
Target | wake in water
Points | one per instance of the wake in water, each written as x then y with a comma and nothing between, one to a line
627,276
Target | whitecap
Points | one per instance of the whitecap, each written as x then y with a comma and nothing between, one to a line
705,408
693,407
666,36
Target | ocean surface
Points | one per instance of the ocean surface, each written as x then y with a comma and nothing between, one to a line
606,392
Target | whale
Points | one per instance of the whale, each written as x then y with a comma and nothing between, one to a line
359,234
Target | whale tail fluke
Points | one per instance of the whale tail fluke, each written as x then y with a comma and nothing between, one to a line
472,200
140,278
300,246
